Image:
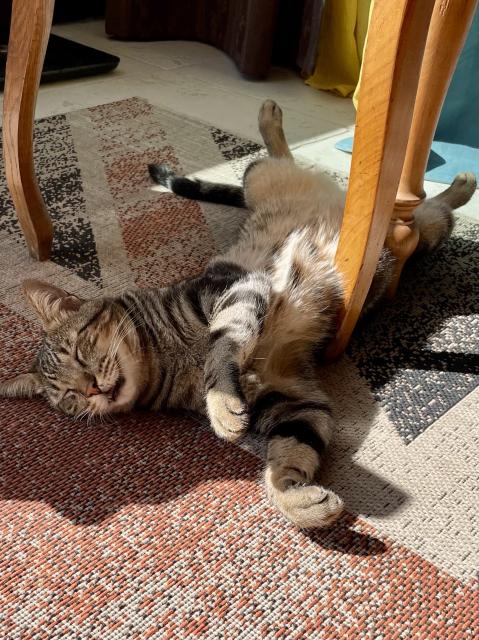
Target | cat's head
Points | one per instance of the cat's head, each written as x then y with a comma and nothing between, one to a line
87,363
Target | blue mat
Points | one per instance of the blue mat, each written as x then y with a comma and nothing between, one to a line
456,142
446,159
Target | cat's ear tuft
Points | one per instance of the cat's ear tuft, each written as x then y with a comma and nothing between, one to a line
25,385
52,304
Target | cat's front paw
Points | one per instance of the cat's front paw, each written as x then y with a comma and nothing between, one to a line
228,414
307,506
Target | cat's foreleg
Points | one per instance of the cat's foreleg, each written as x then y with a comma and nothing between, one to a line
270,120
235,325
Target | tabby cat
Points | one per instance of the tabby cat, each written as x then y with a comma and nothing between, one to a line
237,343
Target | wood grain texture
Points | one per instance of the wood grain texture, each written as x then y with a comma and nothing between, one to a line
450,23
29,33
392,61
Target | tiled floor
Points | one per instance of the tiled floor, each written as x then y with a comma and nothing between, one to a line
202,82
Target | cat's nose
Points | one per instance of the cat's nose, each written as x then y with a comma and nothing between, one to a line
92,389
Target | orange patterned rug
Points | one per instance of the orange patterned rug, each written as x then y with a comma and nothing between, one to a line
149,526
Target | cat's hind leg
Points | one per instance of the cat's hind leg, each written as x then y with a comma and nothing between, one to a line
434,217
297,422
432,224
270,120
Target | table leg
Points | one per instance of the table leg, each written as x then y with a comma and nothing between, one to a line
29,33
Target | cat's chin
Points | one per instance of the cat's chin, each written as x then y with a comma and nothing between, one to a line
102,405
122,400
99,405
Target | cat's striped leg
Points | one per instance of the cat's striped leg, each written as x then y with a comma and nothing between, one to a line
235,325
298,427
270,120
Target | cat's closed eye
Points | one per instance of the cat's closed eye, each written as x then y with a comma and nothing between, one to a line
79,357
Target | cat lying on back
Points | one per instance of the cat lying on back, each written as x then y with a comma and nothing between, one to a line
237,343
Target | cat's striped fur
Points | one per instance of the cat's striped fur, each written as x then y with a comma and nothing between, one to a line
236,343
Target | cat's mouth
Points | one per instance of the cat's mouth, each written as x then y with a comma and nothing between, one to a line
115,391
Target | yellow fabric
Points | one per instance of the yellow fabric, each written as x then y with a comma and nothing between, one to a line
364,30
341,40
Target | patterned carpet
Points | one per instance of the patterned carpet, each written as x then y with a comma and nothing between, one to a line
150,527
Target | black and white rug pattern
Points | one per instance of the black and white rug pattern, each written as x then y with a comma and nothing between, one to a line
420,352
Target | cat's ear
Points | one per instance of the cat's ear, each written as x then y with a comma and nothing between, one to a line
53,305
25,385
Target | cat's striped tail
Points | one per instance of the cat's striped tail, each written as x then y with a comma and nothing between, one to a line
298,425
196,189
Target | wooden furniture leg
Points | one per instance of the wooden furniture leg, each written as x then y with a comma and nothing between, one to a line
391,66
29,32
447,32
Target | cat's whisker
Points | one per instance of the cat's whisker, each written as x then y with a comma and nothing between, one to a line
119,336
82,414
116,332
107,418
115,339
120,339
91,417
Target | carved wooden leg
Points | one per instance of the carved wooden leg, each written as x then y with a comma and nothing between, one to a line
447,32
402,240
29,32
391,66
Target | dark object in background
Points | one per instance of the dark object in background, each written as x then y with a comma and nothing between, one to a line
64,59
68,11
296,36
308,43
65,11
242,28
254,33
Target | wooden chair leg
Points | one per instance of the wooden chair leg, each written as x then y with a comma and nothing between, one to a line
449,26
402,240
29,33
391,66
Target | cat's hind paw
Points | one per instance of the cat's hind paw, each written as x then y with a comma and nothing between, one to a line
270,114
